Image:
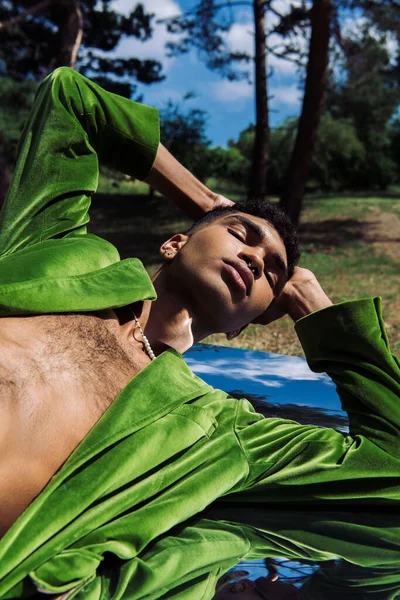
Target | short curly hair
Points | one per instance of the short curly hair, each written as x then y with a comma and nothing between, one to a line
274,215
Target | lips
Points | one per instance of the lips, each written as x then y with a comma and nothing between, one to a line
245,275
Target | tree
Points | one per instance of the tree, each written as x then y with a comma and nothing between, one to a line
394,137
37,37
203,29
258,181
339,158
228,165
369,95
300,162
183,134
15,102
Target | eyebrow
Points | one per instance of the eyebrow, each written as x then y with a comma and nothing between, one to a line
258,230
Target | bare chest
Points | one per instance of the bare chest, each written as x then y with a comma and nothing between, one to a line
61,354
58,375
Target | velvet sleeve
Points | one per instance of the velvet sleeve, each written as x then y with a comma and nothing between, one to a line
352,582
349,342
294,463
73,126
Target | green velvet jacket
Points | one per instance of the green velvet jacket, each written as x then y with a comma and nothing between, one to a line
178,482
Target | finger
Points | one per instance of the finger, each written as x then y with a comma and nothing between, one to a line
222,201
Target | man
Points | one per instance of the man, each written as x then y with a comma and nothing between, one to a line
109,457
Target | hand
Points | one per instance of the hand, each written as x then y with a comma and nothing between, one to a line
220,201
301,296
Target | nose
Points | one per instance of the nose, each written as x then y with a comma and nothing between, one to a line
253,260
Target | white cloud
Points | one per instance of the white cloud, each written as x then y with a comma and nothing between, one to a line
154,48
233,92
267,372
236,93
163,10
281,67
354,27
240,37
290,95
392,46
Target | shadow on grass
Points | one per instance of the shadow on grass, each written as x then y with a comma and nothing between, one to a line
342,232
136,225
382,195
335,232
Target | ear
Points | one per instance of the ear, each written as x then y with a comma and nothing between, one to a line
171,247
235,333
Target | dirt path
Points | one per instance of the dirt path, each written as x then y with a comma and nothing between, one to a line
384,233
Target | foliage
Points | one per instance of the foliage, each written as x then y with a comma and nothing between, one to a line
369,95
27,50
340,160
281,145
183,134
245,142
229,164
340,157
15,103
203,29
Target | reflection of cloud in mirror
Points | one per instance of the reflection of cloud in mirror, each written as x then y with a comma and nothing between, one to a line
282,379
258,368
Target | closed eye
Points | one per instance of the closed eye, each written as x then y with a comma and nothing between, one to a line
236,234
269,279
240,236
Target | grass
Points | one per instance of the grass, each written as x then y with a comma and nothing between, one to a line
352,243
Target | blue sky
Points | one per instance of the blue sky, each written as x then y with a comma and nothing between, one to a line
230,104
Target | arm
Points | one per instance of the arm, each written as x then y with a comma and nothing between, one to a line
74,125
173,181
349,342
349,582
294,463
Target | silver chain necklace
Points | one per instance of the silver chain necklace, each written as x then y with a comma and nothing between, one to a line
146,342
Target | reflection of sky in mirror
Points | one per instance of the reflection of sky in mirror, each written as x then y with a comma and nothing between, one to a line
279,379
289,571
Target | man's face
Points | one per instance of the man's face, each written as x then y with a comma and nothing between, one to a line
234,267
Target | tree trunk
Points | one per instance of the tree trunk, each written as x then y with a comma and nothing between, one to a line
300,161
68,16
258,182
